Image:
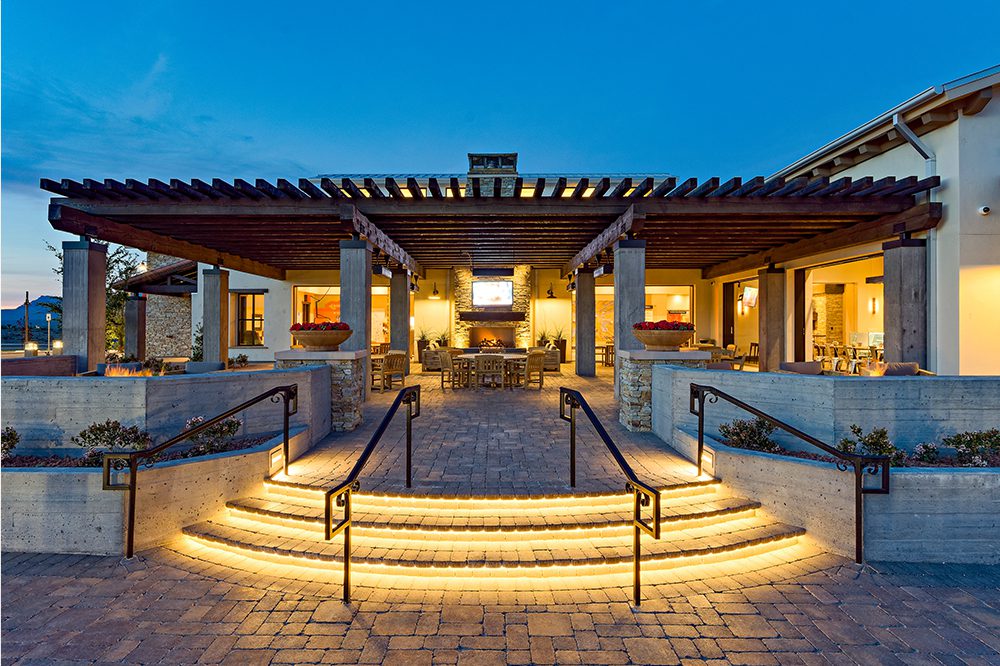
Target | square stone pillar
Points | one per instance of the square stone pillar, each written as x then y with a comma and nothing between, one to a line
215,315
356,299
84,322
630,298
135,327
399,313
905,292
771,318
586,365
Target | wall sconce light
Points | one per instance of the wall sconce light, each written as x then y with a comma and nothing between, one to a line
873,306
740,308
435,294
549,292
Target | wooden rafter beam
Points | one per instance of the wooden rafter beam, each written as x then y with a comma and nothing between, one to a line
918,218
357,220
629,221
74,221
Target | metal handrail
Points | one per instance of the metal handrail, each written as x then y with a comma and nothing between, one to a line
120,460
643,494
342,491
861,464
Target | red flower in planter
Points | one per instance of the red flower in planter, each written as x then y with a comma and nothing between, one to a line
320,326
663,325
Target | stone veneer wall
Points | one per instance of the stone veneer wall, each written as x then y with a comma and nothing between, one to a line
168,318
635,410
462,290
347,382
488,182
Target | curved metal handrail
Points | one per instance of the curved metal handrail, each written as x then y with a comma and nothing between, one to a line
410,395
643,494
121,460
859,463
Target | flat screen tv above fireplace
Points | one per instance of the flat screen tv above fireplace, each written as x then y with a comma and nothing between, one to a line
492,293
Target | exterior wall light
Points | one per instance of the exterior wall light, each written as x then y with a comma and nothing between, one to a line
435,294
549,292
740,308
873,306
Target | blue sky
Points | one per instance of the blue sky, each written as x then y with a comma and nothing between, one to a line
205,90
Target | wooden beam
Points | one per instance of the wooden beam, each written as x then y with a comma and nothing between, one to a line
99,190
497,186
815,185
835,187
374,189
518,187
729,186
162,188
792,186
456,188
629,221
269,190
603,185
703,189
918,218
393,188
749,187
476,191
350,214
664,187
310,189
621,188
539,188
206,189
684,188
434,187
770,186
290,190
120,189
977,102
248,190
227,189
75,221
352,188
330,187
414,187
581,187
558,190
188,191
641,189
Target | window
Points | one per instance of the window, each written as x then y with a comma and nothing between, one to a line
249,320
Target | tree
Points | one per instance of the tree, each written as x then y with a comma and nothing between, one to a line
123,263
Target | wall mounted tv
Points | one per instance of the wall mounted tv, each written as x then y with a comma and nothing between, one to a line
492,293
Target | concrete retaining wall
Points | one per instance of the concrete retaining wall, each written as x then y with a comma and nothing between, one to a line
913,409
51,510
47,411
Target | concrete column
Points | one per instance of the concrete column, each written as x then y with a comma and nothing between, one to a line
586,365
630,297
356,298
771,318
215,315
399,312
135,327
84,321
905,293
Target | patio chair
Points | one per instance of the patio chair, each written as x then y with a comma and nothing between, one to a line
489,370
394,365
451,370
533,369
754,355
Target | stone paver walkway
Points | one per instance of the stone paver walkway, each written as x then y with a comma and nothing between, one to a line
494,442
59,609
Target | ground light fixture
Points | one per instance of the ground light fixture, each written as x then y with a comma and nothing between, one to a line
57,346
30,349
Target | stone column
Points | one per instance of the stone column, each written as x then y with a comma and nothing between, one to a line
215,315
771,317
399,312
905,294
356,298
630,297
135,327
586,365
84,320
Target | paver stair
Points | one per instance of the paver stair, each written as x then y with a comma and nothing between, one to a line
493,536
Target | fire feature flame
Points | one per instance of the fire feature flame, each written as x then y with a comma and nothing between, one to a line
118,371
876,368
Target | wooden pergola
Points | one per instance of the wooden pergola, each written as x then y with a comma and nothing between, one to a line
563,222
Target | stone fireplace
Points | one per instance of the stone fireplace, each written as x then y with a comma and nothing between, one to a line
521,324
497,335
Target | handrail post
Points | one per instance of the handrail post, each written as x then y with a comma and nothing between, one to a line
409,442
133,482
859,513
636,547
701,430
573,406
287,443
347,546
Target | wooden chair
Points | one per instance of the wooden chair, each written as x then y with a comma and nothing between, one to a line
754,355
451,370
490,370
532,370
394,365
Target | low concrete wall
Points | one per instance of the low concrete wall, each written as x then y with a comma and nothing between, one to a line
913,409
47,411
930,514
39,366
52,510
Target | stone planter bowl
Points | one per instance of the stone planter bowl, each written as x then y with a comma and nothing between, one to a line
662,340
321,340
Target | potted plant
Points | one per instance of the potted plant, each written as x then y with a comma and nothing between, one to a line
325,336
663,335
560,342
543,338
442,340
423,341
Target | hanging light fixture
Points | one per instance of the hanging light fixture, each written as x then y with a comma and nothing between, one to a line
435,294
550,293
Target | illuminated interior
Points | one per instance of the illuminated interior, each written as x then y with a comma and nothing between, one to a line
322,303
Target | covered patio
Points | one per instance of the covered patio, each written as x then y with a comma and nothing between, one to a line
583,228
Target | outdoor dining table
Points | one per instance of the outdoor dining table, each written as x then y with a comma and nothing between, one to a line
468,362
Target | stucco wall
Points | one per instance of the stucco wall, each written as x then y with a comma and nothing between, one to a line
913,409
47,411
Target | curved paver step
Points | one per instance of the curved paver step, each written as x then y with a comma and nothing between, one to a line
308,512
298,546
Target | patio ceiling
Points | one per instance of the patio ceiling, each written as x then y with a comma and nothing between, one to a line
431,222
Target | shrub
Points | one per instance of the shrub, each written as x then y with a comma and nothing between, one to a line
875,443
974,448
926,453
754,435
198,344
214,438
9,438
100,437
241,361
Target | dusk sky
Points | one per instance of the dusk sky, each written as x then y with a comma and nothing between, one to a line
183,89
